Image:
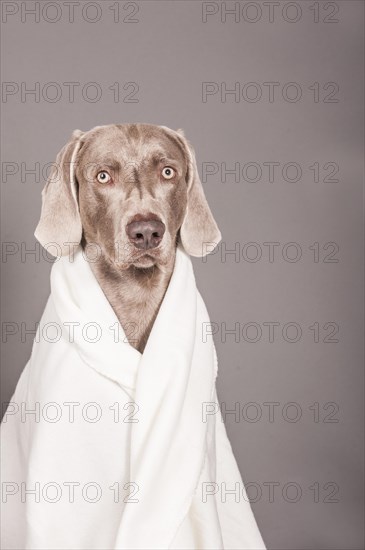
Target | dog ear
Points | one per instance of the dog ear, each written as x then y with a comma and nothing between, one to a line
199,227
60,221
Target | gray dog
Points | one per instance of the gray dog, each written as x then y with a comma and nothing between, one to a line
133,190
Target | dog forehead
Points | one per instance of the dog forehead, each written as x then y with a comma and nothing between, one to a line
139,142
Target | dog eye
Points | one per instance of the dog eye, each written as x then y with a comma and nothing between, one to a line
168,173
103,177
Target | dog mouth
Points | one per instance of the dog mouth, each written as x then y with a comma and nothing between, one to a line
140,259
145,260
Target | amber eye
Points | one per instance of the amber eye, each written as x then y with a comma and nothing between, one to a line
168,172
103,177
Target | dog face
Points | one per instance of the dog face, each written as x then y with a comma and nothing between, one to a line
132,193
133,190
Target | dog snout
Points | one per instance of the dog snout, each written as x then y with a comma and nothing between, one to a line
145,234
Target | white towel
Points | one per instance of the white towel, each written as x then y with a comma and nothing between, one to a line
123,450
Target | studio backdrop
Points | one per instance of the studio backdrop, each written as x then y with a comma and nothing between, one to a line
270,95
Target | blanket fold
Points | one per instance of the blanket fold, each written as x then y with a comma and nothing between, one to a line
105,447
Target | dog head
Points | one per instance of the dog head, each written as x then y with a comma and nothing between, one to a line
132,190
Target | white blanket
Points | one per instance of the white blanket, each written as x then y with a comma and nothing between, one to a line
108,448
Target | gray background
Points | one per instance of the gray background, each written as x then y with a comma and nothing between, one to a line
169,51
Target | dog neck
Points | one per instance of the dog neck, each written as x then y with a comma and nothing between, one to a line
135,295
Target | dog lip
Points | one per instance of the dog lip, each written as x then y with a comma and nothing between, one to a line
148,255
141,261
153,255
145,257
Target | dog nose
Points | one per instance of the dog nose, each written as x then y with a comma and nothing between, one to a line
145,234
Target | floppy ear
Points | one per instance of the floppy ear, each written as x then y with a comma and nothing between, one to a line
199,228
60,221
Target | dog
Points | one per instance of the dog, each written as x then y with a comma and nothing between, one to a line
132,194
132,191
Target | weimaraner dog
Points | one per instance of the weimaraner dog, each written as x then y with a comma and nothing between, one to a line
133,190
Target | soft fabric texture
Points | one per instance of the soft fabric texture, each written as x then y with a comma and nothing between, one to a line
119,453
